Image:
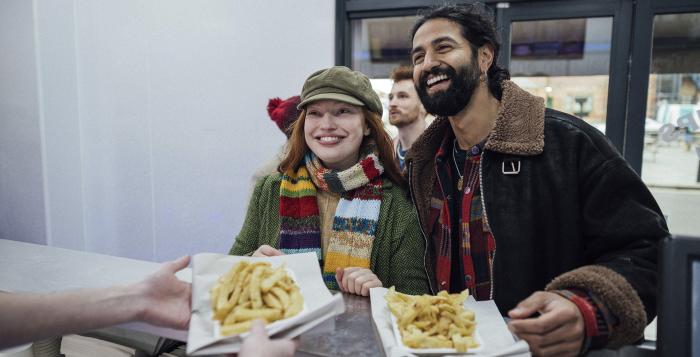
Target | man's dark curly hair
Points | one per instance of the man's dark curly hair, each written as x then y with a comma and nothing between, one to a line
478,27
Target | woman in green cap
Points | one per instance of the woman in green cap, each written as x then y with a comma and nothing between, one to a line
339,193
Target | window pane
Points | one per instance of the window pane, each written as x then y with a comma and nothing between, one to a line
567,62
671,161
379,45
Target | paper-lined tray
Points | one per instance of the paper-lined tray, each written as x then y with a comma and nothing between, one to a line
319,303
495,338
433,351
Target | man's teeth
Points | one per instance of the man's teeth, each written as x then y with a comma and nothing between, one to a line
329,138
434,80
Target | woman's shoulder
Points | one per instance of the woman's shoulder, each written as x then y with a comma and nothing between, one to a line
398,196
398,218
392,188
269,183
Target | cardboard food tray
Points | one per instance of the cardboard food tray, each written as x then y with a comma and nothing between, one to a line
493,336
319,304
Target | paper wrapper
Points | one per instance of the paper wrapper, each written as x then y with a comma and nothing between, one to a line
319,304
496,339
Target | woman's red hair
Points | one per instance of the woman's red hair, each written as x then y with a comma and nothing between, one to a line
297,147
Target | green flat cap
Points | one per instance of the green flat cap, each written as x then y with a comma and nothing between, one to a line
341,84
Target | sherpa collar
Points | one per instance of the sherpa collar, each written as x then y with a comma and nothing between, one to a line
519,127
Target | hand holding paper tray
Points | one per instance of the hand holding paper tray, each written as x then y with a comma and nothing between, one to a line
319,303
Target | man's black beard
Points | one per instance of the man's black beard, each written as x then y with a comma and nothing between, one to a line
452,100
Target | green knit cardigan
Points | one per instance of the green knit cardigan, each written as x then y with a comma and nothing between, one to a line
398,250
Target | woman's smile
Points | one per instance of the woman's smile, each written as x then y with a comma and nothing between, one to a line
329,140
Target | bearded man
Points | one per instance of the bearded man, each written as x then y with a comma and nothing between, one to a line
406,112
523,204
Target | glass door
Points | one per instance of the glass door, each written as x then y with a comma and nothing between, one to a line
566,62
573,56
671,146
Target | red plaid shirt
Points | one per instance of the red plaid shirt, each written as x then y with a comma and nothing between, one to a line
476,245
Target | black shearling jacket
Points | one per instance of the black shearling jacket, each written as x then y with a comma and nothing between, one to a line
565,209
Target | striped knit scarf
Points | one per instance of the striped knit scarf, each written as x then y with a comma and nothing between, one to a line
355,222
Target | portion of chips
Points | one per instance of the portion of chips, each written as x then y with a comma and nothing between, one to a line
252,291
428,321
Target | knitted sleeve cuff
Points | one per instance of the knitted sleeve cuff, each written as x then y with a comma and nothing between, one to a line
599,322
614,292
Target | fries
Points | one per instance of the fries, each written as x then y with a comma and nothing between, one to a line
433,321
252,291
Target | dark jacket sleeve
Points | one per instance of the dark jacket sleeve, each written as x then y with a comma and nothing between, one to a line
622,224
247,240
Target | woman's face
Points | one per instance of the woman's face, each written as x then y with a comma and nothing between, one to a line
334,131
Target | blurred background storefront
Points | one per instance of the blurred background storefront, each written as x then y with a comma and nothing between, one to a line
629,68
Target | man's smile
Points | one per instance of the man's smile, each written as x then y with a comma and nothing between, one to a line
436,83
433,80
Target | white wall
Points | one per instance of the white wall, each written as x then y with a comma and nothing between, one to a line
153,116
21,190
58,85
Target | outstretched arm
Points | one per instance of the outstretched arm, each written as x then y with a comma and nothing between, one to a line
161,299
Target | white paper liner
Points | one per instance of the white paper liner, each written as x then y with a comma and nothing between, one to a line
319,304
496,339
